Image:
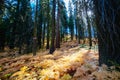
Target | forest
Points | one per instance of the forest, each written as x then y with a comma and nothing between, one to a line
59,39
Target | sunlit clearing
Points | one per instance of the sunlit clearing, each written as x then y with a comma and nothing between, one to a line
59,66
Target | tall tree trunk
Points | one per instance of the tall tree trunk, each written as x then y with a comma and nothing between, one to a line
88,25
62,34
52,49
39,35
39,29
48,37
78,30
48,26
2,39
71,23
72,35
76,20
108,27
43,34
35,30
2,31
58,27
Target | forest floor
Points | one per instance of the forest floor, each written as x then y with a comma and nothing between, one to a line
70,62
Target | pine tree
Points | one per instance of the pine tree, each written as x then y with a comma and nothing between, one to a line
108,27
52,48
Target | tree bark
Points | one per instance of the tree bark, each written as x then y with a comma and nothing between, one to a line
43,34
2,39
88,25
52,49
35,31
48,37
58,27
39,29
48,26
108,27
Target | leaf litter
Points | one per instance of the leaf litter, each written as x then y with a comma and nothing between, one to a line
70,62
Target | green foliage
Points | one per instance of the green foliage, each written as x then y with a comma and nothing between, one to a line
7,75
66,77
